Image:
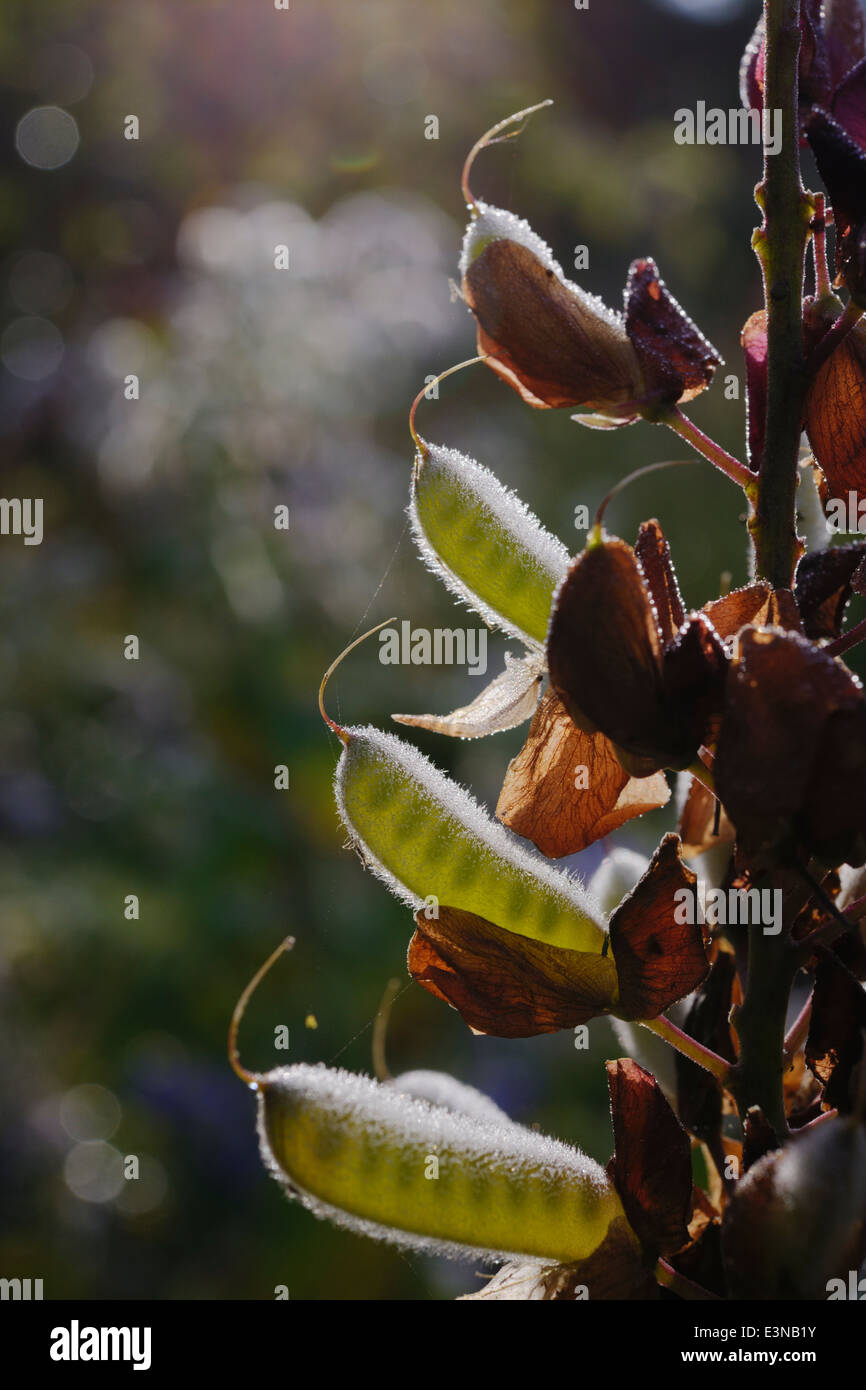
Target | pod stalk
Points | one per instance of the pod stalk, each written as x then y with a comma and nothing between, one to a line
493,137
342,734
449,371
633,477
251,1078
380,1031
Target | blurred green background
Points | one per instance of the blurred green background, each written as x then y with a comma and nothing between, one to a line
259,388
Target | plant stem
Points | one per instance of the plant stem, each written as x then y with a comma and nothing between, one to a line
823,288
848,639
780,245
756,1080
689,1047
725,462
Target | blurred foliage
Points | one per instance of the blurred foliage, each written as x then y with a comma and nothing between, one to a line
261,388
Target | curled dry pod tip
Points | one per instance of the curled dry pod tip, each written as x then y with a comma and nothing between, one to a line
390,1166
429,841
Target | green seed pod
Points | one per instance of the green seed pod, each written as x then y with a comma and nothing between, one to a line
397,1168
442,1089
388,1165
616,876
427,838
484,543
430,842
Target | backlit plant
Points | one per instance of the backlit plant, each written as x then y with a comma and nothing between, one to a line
745,1175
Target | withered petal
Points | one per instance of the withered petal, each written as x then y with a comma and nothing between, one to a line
676,359
781,691
845,34
617,1270
695,667
832,821
836,416
849,104
837,1026
842,166
654,558
507,985
608,667
555,345
658,959
651,1165
541,798
697,827
824,584
738,608
603,647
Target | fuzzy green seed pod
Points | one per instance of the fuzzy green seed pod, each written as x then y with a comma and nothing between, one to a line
427,838
484,543
389,1165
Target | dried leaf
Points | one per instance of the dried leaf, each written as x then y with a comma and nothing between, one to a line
544,797
504,984
658,959
651,1166
507,701
676,359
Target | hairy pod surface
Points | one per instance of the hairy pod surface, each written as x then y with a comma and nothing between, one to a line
442,1089
484,543
386,1165
426,837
